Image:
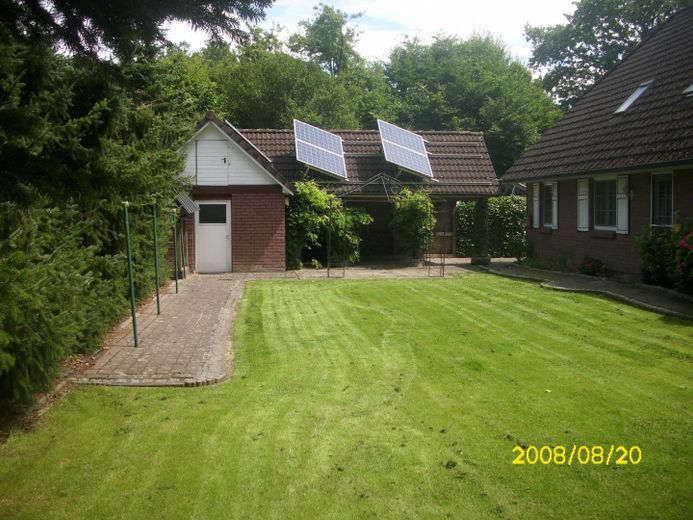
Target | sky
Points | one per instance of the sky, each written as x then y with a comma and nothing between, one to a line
384,23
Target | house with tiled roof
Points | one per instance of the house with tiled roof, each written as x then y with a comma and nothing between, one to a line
619,161
242,180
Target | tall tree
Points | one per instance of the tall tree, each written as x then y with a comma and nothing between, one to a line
471,84
595,38
86,26
328,39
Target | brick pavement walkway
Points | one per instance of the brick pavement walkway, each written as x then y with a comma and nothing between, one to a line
187,345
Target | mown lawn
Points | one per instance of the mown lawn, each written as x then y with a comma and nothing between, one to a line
384,399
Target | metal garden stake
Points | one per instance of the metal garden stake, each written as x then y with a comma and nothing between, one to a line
156,258
130,277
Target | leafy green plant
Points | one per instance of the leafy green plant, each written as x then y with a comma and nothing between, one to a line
480,231
683,271
347,225
311,212
413,220
594,267
657,250
507,233
564,259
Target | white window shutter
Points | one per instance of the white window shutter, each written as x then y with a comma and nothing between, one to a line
555,205
583,205
622,204
535,205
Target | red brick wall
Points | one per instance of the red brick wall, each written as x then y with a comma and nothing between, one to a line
618,252
257,226
257,232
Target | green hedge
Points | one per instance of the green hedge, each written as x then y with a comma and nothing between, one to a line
60,293
507,234
413,221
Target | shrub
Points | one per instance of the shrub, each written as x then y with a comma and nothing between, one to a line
594,267
347,227
61,290
480,229
311,212
507,235
683,271
413,220
684,264
657,252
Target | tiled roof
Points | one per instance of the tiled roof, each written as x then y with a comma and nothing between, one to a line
656,130
459,160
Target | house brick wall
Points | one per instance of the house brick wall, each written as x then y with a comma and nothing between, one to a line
683,193
257,226
618,252
258,232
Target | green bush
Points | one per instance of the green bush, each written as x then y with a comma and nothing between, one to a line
593,267
59,292
480,229
413,221
507,234
657,252
684,261
311,212
667,255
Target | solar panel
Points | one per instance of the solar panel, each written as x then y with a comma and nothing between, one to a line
190,205
404,148
319,149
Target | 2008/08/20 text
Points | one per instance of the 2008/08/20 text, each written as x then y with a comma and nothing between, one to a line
562,455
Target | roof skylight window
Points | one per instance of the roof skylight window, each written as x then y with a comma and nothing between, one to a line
633,97
689,91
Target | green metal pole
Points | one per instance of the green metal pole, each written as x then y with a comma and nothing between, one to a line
130,277
175,248
184,249
156,259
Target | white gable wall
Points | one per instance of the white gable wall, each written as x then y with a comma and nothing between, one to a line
214,160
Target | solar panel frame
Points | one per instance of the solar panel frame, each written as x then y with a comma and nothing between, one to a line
405,149
319,149
188,203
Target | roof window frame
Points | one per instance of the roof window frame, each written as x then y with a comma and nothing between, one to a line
635,95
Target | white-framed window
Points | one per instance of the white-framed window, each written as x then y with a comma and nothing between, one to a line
662,203
611,203
605,204
583,204
535,205
549,204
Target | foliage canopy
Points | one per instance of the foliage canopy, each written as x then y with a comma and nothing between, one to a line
594,39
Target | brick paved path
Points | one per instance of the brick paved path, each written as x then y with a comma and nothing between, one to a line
187,345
